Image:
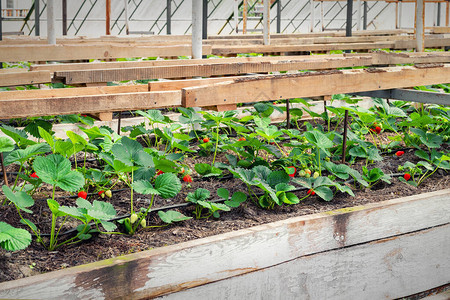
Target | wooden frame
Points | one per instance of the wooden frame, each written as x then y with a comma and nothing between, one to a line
228,92
389,249
274,87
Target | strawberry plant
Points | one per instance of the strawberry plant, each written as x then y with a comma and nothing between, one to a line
13,239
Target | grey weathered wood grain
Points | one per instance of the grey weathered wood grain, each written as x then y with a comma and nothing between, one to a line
386,269
187,265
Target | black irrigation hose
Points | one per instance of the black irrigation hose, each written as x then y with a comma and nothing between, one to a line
186,204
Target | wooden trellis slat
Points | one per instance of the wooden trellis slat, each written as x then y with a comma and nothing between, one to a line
274,87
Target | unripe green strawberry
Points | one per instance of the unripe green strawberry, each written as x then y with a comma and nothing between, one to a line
133,218
108,193
302,173
143,223
327,158
316,174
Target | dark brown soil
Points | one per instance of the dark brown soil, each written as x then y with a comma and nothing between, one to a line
35,259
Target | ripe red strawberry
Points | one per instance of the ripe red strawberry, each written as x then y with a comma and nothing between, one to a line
84,116
311,192
101,194
399,153
34,175
377,129
407,176
242,139
187,178
293,172
82,194
159,172
206,139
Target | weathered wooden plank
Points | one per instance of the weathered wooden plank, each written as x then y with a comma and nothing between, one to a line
384,58
172,62
175,85
206,70
386,269
429,43
73,52
88,91
440,29
312,84
174,268
12,78
231,50
87,104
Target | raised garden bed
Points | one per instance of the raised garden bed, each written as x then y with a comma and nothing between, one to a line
389,249
277,168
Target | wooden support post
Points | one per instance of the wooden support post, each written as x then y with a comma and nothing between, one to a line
51,22
197,28
64,17
244,17
312,15
420,25
266,22
447,13
108,17
127,25
37,24
236,16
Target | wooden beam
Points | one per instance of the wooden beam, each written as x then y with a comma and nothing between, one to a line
172,62
311,84
86,91
384,58
87,104
73,52
233,50
206,70
175,85
18,77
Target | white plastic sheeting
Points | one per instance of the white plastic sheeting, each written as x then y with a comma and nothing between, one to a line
87,17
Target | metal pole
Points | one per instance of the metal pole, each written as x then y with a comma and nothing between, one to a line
348,28
108,17
244,17
51,22
312,16
37,24
196,28
288,115
127,24
438,21
169,17
205,20
365,16
266,22
344,138
358,15
400,5
396,15
322,23
420,25
64,17
434,14
236,16
279,16
447,13
1,38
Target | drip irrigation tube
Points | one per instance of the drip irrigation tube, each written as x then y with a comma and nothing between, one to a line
186,204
